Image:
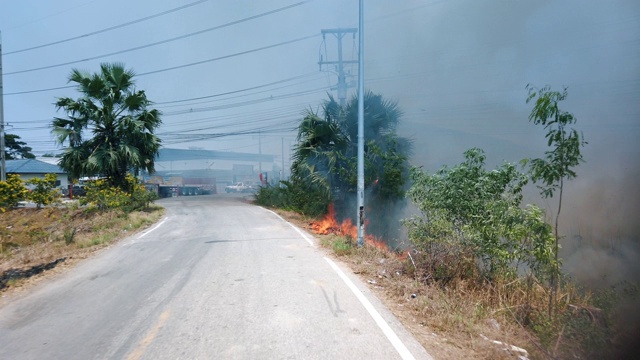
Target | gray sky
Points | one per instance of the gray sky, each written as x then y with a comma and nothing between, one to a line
458,69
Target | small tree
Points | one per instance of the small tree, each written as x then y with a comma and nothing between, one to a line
12,192
469,209
558,163
44,191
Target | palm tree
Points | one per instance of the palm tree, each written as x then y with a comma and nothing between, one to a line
325,157
317,154
119,122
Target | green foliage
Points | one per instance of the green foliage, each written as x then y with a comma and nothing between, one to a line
12,192
292,196
478,211
16,149
69,235
119,119
325,158
342,246
318,154
565,142
558,163
44,191
102,195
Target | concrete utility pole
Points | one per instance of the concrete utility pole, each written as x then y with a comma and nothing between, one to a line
3,172
282,170
260,150
360,185
342,82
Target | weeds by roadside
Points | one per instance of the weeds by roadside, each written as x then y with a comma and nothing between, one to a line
448,306
30,237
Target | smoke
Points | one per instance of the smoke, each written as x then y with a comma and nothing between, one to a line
459,71
602,246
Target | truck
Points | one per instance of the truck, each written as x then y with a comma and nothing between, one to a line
238,188
181,186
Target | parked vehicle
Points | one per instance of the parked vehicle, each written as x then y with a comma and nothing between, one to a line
73,191
238,188
180,186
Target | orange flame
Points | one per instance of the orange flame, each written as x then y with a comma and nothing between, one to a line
329,225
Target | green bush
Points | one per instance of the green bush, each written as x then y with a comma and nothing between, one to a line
44,191
12,192
103,196
478,210
295,197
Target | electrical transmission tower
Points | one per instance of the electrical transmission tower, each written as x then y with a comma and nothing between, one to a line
338,65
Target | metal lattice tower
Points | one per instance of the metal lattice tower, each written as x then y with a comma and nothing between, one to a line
340,62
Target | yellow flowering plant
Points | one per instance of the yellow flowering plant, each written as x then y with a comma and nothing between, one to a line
44,191
103,196
12,192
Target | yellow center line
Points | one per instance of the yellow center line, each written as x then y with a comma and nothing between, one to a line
151,334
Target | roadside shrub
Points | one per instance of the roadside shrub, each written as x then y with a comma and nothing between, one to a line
141,198
69,235
103,196
474,209
272,196
292,196
12,192
44,191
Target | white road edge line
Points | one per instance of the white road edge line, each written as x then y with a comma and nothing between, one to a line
294,228
386,329
153,228
405,354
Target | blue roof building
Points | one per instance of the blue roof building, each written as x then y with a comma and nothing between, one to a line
30,168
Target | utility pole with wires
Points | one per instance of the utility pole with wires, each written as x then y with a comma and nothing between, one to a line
3,172
341,62
360,183
260,151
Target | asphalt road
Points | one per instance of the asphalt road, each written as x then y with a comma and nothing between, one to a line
218,278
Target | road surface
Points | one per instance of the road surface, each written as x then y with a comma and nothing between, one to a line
218,278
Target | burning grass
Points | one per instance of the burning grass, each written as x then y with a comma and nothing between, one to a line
330,225
456,313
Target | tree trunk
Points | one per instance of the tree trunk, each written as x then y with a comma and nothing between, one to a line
556,271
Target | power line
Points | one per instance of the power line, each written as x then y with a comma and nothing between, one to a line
39,90
241,116
164,107
160,42
229,56
244,103
50,15
236,91
179,66
185,133
257,120
107,29
184,138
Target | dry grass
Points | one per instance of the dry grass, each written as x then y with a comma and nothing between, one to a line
454,316
31,237
449,321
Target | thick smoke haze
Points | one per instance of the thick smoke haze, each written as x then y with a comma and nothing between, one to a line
465,65
458,69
